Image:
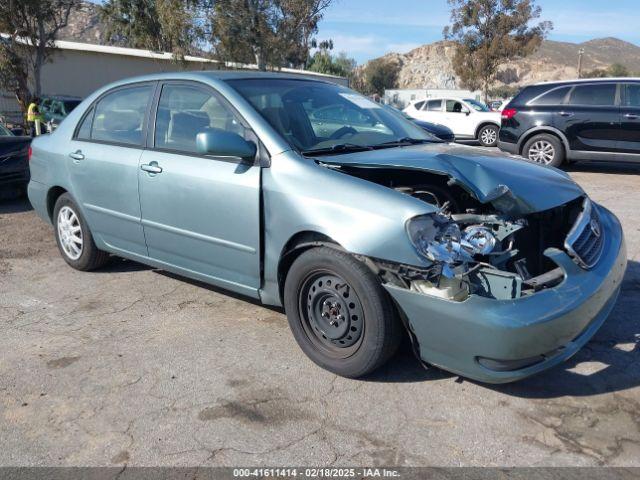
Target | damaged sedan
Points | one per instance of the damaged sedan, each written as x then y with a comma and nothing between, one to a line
304,194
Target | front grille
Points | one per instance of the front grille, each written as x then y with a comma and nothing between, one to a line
586,239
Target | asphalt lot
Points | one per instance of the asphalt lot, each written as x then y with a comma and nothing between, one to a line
132,365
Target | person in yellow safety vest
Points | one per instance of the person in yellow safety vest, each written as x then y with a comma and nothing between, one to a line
33,115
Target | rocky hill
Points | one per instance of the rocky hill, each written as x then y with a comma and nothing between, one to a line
84,25
430,66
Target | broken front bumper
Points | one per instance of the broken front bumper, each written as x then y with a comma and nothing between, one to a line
499,341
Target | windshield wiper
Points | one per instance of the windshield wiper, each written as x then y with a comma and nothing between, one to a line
403,142
339,148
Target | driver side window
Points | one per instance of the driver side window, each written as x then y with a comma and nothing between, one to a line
455,106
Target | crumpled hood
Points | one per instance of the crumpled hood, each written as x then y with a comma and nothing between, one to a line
511,184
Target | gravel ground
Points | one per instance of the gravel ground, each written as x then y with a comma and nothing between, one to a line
135,366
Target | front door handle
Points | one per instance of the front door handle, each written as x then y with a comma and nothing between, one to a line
631,116
151,167
77,155
566,114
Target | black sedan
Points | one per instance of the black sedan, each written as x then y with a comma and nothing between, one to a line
14,161
440,131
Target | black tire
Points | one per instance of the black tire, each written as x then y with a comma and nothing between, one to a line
488,136
540,142
90,257
356,292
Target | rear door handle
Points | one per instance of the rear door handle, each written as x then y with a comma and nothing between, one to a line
631,116
151,167
566,114
77,155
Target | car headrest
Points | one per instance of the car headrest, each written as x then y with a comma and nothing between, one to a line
187,125
122,120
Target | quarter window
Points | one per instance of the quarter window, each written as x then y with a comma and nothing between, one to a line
603,95
418,106
84,132
119,116
553,97
185,111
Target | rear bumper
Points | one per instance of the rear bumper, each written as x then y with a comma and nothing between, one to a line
508,147
546,328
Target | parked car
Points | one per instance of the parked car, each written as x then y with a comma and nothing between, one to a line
469,119
439,131
362,235
587,119
14,166
56,108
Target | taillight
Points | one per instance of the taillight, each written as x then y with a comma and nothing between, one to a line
509,113
29,153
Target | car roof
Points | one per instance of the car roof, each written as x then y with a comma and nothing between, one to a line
588,80
222,75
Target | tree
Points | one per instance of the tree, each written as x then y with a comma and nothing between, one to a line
615,70
490,32
272,33
173,26
323,61
380,74
618,70
31,27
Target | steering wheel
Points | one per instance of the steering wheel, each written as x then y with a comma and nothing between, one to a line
341,132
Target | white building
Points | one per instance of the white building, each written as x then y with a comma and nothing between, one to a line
78,69
401,97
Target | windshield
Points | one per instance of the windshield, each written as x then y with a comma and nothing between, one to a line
476,105
317,116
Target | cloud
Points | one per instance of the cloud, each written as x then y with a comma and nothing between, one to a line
366,46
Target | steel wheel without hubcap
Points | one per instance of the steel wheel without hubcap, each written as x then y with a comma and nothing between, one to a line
488,136
332,315
70,233
542,152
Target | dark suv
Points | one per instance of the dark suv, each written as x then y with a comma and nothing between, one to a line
588,119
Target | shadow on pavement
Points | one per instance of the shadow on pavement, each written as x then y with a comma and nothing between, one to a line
15,205
612,167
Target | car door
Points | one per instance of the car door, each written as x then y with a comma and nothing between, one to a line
590,117
103,165
431,111
459,118
201,214
629,139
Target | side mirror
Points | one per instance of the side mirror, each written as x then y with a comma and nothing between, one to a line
466,112
221,143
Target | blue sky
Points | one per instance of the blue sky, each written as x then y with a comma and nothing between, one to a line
367,29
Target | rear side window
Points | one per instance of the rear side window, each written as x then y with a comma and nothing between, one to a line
434,105
602,95
119,116
552,97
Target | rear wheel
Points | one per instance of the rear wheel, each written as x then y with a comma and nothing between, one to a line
339,313
73,237
544,149
488,136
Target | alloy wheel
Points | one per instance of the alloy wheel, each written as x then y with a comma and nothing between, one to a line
489,136
70,233
542,152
